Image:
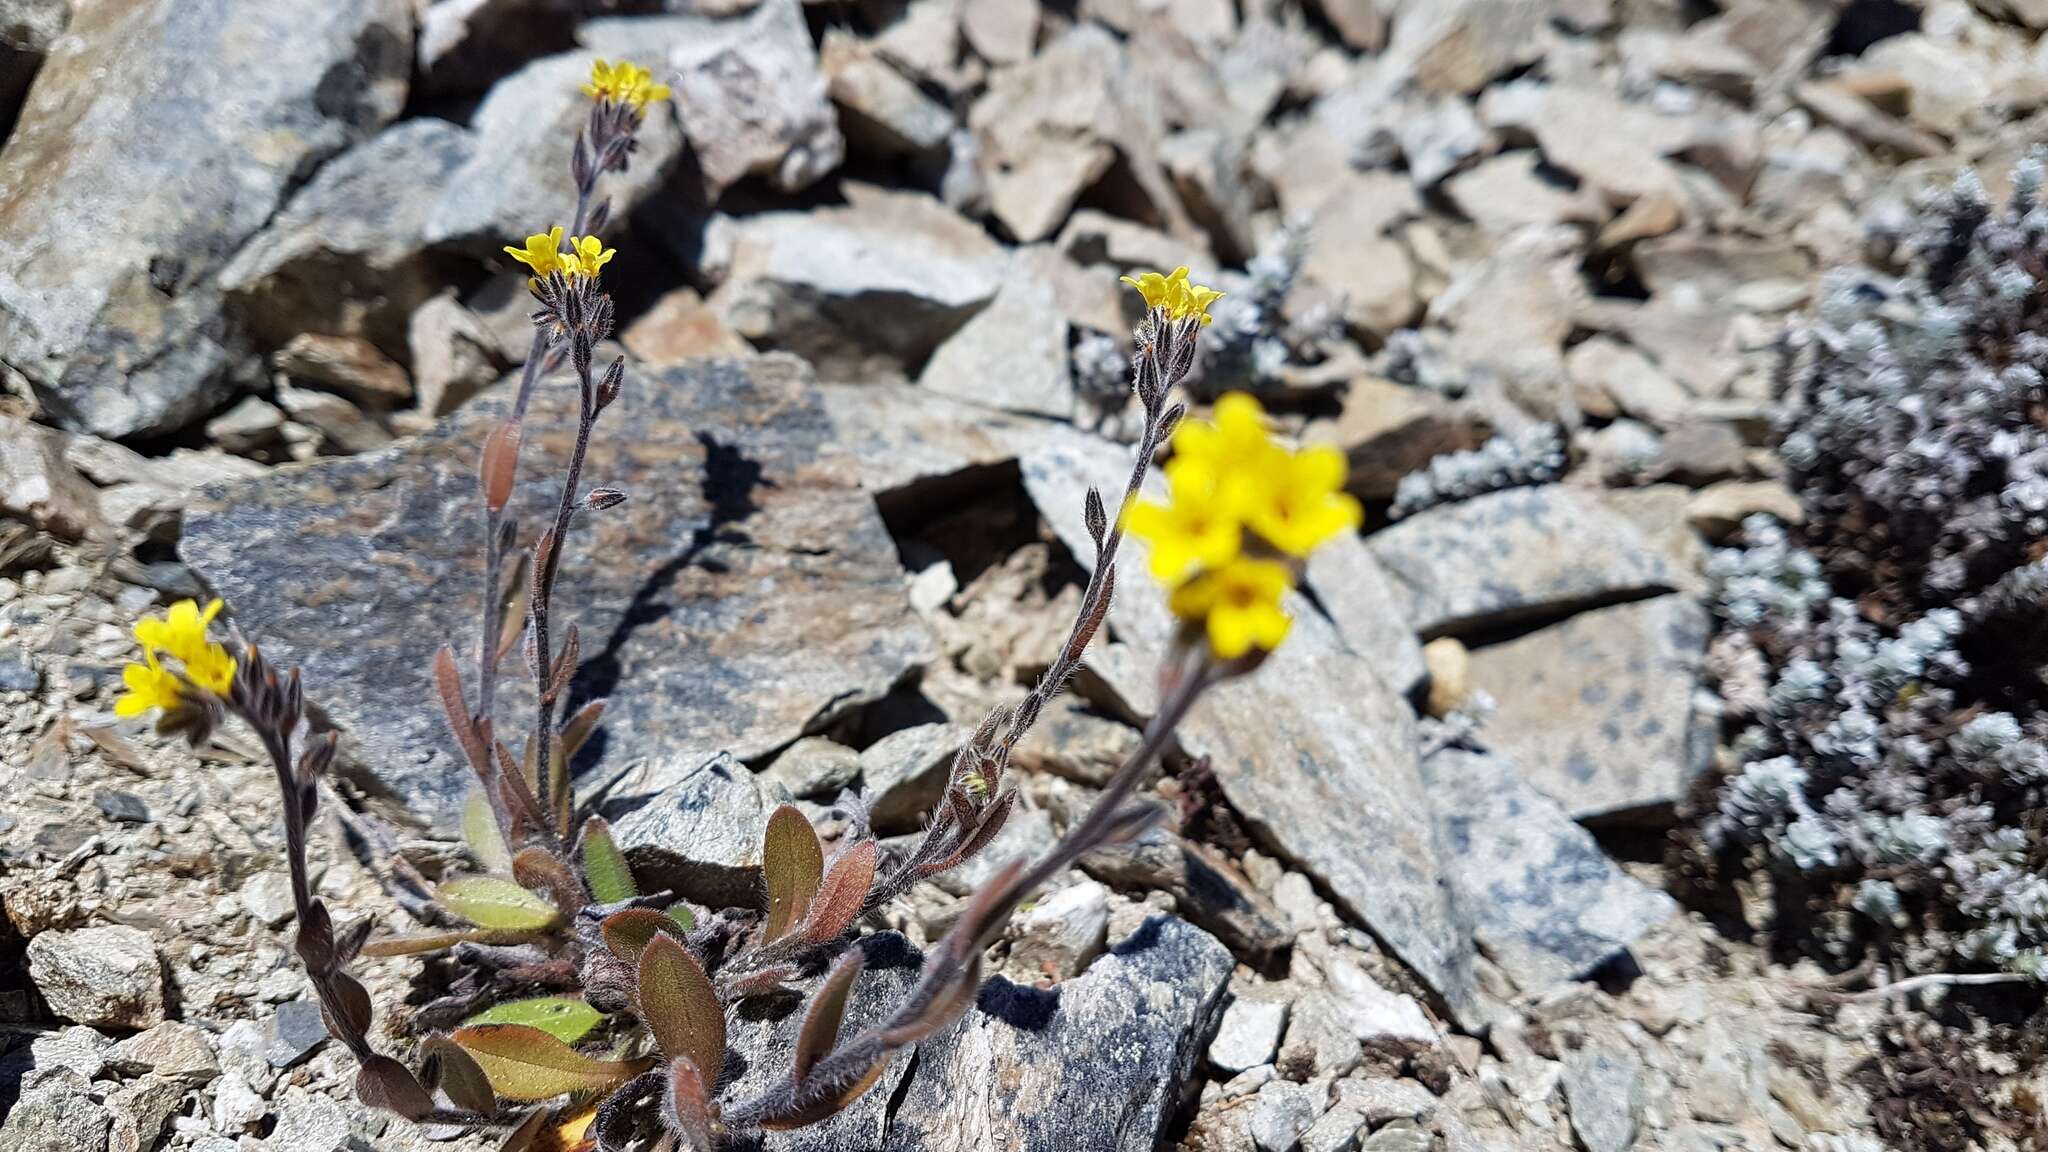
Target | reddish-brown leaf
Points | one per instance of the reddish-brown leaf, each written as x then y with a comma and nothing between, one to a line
793,863
844,891
500,464
688,1106
627,933
821,1021
678,1005
450,1067
811,1114
385,1083
449,682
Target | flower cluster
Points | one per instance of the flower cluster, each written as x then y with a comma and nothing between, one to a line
1174,295
624,83
1243,511
584,258
180,634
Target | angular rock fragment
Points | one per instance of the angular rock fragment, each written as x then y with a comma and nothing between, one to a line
516,180
904,773
742,592
1248,1035
348,255
56,1113
119,328
37,484
1354,591
882,111
752,99
1012,354
871,287
27,29
1612,145
1505,556
1388,430
106,977
1546,903
1098,1064
700,837
1456,46
1509,191
1596,712
1206,889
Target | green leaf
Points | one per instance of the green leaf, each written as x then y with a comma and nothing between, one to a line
526,1063
604,866
793,863
681,914
678,1005
565,1019
495,902
480,829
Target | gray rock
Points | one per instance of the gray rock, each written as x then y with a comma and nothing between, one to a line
1613,145
465,45
1320,1043
1597,711
754,99
1061,932
292,1033
340,427
1507,192
1206,889
1012,354
173,1050
743,592
1459,45
1604,1089
39,486
1604,369
861,290
1348,251
905,772
814,767
1382,1019
268,897
1546,903
1249,1034
1356,593
452,354
107,977
122,807
1506,556
140,1109
55,1114
17,673
1315,752
1074,743
1051,125
1381,1100
516,180
347,256
764,1036
1399,1136
252,424
1388,430
700,836
1335,1131
882,111
27,30
1098,1064
233,100
310,1122
1281,1113
81,1049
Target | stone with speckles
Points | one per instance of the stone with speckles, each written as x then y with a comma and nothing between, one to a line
745,590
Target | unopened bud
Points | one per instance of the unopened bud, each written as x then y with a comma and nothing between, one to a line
614,379
599,499
500,464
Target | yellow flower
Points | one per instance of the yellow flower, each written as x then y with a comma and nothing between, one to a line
624,83
181,633
1301,501
586,256
543,252
1236,447
1173,294
1238,605
149,686
1194,528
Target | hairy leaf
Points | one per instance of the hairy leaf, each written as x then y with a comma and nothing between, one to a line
843,893
385,1083
626,933
818,1109
495,902
480,830
536,867
821,1021
793,862
679,1006
565,1019
681,914
526,1063
688,1110
449,1067
441,941
604,866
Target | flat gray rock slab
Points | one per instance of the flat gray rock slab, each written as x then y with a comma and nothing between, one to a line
700,837
1597,711
1508,556
1545,902
1098,1063
1359,597
744,590
1314,750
